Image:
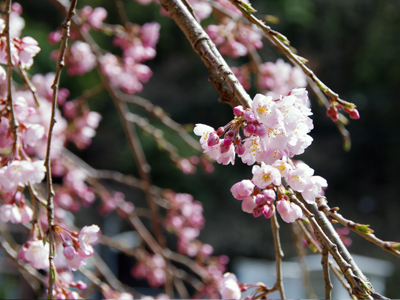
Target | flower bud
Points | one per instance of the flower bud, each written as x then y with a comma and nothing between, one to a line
260,130
238,111
213,139
242,189
250,128
354,114
249,116
69,251
268,211
220,131
227,141
239,149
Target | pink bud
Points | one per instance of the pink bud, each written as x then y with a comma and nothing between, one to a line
250,128
54,37
69,251
238,111
242,189
268,211
261,130
249,116
260,199
230,133
354,114
239,149
227,142
213,139
81,285
220,131
269,195
257,212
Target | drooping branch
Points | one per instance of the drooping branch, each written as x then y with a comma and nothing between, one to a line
360,286
50,205
278,256
280,41
10,100
158,113
360,229
325,269
331,264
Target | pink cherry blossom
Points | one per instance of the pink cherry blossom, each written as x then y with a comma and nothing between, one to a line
28,48
266,111
289,211
299,179
10,213
265,175
249,204
230,287
316,190
87,236
37,254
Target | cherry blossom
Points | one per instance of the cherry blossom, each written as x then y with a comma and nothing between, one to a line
36,253
230,288
87,236
265,175
289,211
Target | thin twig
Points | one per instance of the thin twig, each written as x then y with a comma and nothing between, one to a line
122,14
278,256
356,227
102,267
158,113
282,43
50,205
156,133
301,253
10,100
332,265
29,84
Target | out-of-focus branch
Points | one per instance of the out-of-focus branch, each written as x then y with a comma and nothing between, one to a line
50,205
156,133
360,229
333,267
301,253
221,76
158,113
23,267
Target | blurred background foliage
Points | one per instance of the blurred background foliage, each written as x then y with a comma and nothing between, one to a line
352,45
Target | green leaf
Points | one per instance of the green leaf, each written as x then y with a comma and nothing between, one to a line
364,228
247,6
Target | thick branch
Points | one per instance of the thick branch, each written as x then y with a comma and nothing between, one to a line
221,76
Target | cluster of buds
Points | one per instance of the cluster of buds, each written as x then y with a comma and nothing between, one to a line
349,108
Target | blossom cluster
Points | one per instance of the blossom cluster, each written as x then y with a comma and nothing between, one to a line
234,39
275,131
